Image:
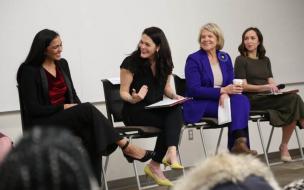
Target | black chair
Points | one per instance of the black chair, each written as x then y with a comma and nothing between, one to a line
205,123
114,105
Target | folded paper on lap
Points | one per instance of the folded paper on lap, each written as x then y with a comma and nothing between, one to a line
224,112
167,102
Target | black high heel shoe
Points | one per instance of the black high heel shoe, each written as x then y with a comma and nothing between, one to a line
148,155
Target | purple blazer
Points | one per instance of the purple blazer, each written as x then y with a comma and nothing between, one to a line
200,83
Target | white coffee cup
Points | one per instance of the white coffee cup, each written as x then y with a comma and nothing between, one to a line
238,82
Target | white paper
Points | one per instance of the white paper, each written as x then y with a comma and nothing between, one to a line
224,112
166,102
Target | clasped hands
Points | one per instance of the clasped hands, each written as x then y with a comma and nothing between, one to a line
229,89
232,89
67,106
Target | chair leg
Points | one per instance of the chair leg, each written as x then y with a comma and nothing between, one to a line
203,141
106,163
103,174
181,135
269,140
299,143
262,142
135,171
180,159
219,141
178,147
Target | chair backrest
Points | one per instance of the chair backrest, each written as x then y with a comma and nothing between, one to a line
25,119
180,88
180,85
114,103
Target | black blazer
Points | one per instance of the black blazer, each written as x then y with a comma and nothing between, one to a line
34,91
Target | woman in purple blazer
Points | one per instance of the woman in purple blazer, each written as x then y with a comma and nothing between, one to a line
209,75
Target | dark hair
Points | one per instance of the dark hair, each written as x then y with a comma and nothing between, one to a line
36,55
261,51
164,64
48,159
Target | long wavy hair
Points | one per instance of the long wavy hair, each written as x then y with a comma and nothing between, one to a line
261,51
36,55
163,58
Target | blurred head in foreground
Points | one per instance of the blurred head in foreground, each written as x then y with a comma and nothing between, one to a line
47,159
228,171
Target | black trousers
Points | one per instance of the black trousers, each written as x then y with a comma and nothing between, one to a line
87,122
169,120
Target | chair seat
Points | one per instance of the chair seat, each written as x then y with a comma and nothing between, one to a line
258,112
206,123
213,123
259,115
138,131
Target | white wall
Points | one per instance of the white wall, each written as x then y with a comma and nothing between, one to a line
98,34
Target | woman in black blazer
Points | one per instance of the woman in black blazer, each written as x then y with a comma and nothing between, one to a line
50,99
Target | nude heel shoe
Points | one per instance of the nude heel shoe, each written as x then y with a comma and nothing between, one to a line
285,158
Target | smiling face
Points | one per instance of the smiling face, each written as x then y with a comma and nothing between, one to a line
53,51
147,47
208,41
251,41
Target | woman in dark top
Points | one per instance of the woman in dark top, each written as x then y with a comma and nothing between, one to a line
50,99
255,69
145,78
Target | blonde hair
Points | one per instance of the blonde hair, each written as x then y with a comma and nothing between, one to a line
215,29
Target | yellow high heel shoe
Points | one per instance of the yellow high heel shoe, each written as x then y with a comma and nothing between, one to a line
174,166
163,182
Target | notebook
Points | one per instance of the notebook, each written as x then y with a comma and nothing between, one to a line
287,91
224,112
167,102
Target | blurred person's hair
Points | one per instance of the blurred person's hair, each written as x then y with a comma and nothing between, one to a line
228,171
47,159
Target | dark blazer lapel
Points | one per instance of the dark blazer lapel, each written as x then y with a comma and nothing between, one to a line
67,82
45,84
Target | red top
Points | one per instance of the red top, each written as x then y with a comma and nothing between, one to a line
57,87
